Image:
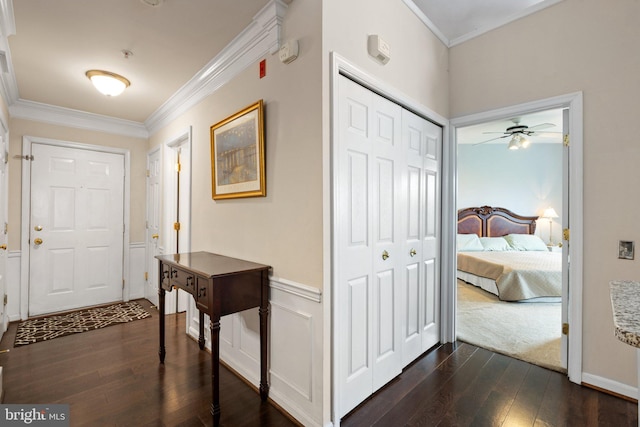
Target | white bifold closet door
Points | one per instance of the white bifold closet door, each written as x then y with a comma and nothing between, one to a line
386,240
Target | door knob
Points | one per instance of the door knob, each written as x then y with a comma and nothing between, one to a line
385,255
412,252
37,241
154,236
3,247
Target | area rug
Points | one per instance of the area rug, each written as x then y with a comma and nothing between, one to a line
525,331
47,328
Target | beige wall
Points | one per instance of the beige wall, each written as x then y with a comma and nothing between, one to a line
136,146
589,46
284,228
419,61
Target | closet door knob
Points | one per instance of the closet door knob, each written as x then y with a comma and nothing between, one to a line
412,252
385,255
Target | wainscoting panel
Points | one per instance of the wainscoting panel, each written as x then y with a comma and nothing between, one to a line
13,286
295,336
136,270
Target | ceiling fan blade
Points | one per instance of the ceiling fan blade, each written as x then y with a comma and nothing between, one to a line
547,134
489,140
494,132
541,126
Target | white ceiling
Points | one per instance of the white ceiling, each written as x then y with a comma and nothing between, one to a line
455,21
56,42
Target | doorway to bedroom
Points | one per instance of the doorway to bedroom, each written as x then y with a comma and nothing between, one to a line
511,172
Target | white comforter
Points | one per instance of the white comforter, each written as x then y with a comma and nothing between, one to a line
519,275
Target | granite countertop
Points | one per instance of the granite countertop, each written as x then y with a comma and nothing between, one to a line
625,301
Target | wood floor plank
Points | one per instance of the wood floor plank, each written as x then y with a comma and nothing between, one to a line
112,377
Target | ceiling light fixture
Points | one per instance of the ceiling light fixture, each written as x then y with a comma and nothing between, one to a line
110,84
518,141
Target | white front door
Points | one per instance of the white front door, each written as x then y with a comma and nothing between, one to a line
154,178
76,233
4,157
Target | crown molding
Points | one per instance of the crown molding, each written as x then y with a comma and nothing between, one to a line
29,110
261,37
258,39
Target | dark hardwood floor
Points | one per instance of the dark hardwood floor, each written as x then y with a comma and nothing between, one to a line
463,385
112,377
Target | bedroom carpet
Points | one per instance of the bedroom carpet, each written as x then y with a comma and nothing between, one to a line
525,331
47,328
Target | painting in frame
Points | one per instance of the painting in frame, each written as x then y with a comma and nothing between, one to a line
237,155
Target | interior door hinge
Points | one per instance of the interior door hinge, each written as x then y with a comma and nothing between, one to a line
178,167
5,299
146,275
565,140
148,173
176,226
122,283
565,329
566,234
28,157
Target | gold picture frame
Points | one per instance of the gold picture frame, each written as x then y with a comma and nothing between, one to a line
237,155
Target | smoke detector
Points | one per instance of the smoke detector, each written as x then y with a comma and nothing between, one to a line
152,3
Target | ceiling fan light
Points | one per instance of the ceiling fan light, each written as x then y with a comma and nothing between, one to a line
109,84
514,144
524,142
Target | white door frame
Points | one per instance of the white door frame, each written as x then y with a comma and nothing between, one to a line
181,142
27,141
151,287
339,65
573,101
4,205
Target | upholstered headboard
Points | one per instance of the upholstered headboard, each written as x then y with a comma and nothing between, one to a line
487,221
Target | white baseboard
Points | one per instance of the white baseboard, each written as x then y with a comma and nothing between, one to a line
610,385
295,342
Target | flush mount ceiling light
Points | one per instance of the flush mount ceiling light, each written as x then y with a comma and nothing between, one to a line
110,84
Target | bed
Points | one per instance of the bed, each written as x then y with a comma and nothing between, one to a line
499,252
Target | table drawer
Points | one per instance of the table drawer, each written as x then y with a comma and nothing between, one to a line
183,279
203,301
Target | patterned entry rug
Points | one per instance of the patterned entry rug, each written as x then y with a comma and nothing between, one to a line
48,328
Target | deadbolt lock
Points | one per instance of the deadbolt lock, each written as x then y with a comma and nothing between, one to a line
38,228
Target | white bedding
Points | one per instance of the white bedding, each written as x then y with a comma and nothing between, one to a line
514,275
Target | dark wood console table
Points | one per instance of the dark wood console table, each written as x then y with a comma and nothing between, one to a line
219,285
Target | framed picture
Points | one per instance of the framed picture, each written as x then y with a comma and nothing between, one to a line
625,249
237,155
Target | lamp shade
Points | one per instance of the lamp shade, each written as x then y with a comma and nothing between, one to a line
108,83
550,213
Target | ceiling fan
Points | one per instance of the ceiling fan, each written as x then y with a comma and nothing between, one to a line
518,134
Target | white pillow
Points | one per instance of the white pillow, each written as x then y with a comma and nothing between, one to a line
495,244
468,243
526,242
